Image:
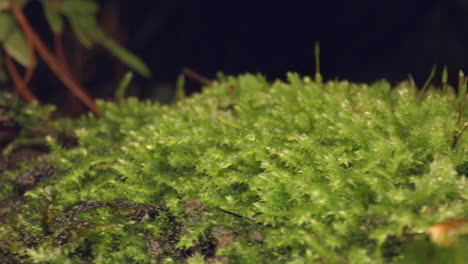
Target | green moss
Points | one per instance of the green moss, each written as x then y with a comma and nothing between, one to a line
283,172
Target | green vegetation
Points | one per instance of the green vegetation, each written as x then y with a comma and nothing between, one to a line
250,172
82,16
19,42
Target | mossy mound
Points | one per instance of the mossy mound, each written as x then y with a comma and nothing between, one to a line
247,172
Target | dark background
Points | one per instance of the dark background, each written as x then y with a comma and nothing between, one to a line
361,40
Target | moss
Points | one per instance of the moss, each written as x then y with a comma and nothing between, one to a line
283,172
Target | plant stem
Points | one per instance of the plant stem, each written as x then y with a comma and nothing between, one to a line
196,76
20,83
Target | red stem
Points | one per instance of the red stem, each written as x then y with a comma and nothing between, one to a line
20,84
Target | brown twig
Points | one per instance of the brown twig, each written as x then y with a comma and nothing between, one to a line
20,84
56,4
59,51
4,119
55,65
72,100
31,57
457,135
58,42
196,76
238,216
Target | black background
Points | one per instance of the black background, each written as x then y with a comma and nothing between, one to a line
361,40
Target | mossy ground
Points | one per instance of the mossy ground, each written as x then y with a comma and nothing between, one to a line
246,172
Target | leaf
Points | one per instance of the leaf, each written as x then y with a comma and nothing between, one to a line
120,52
53,17
88,32
79,7
7,22
17,47
78,24
4,4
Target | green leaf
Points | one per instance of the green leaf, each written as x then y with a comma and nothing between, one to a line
17,47
81,7
53,17
89,32
4,4
120,52
81,25
7,22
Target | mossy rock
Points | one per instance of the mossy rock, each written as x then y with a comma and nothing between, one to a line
248,171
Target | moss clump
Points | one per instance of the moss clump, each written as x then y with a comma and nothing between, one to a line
248,172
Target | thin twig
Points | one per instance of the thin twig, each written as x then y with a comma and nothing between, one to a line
50,59
4,119
59,51
458,135
56,4
196,76
58,41
20,83
238,216
31,58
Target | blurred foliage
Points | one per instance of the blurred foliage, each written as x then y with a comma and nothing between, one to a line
81,15
19,114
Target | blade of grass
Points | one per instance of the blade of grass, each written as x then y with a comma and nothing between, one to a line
180,90
444,79
120,93
318,76
428,81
